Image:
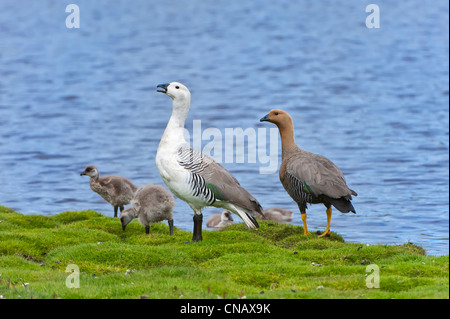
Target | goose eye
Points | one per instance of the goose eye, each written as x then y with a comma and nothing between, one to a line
276,113
177,87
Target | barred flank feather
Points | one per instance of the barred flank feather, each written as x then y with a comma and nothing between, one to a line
194,162
297,189
201,183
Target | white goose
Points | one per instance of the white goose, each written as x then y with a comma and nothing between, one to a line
194,177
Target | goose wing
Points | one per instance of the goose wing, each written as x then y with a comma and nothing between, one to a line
317,176
212,181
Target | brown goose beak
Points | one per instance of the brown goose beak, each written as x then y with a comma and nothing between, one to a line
265,118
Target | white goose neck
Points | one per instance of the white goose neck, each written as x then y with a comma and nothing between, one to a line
180,110
175,127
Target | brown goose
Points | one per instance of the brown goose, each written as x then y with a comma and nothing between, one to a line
116,190
307,177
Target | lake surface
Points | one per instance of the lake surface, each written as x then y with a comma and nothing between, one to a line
374,101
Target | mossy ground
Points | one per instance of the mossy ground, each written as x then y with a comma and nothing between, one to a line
276,261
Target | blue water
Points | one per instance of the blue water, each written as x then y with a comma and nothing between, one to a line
375,101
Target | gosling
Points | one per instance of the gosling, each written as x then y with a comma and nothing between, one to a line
151,204
116,190
278,214
220,220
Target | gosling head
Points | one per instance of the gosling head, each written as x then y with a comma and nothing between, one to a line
278,117
226,216
175,90
126,217
90,171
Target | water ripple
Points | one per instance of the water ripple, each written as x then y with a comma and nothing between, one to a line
373,101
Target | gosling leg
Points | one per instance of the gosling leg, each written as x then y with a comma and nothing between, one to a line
171,226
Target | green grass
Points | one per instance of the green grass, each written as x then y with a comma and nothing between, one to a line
275,261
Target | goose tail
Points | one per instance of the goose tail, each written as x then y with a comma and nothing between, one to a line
342,204
247,217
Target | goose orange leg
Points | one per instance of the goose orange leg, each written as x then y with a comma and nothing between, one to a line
306,232
327,231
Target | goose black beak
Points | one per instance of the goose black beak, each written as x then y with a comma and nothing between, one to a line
162,88
82,173
265,118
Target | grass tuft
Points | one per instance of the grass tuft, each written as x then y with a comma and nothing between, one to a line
276,261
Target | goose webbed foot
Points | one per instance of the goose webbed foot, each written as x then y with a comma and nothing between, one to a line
326,233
